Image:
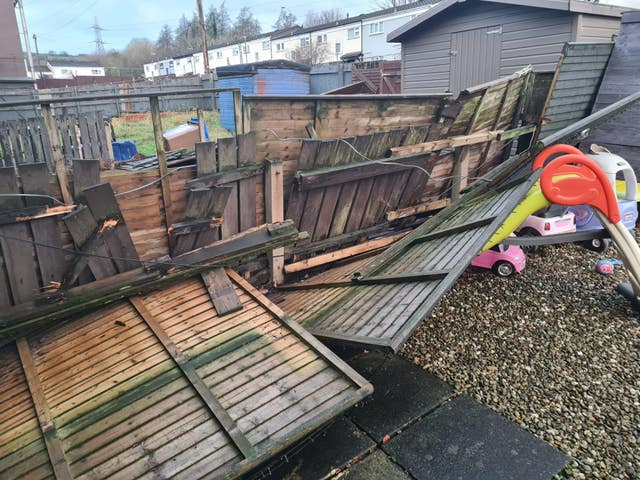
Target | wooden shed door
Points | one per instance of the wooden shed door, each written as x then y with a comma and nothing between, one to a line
475,57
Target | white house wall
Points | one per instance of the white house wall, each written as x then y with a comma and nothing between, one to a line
372,46
375,45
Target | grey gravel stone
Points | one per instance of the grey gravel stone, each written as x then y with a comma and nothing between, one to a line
555,349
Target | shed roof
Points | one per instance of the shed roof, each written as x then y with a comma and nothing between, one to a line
576,6
252,68
70,63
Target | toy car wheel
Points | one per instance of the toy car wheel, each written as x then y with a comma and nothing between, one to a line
503,268
597,244
529,232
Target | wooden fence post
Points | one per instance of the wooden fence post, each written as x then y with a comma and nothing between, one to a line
56,153
237,110
274,205
200,115
162,158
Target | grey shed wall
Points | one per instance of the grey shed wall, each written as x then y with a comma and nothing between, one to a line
527,35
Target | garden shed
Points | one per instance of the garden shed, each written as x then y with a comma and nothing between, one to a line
272,77
460,43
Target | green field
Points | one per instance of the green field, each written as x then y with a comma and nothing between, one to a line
141,132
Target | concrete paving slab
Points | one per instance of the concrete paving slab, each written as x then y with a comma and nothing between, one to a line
338,444
402,392
465,440
376,466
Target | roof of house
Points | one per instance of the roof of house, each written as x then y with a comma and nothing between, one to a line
69,63
576,6
358,18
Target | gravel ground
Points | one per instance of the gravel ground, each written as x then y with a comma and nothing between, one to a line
554,349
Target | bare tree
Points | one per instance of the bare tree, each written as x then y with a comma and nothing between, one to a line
286,19
324,16
164,45
311,54
383,4
246,25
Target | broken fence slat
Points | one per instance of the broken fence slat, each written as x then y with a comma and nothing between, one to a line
224,297
35,180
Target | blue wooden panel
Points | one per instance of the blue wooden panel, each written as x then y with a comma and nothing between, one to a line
280,81
225,99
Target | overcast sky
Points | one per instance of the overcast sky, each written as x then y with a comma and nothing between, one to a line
66,24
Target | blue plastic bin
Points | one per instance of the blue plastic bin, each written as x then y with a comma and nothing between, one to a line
124,150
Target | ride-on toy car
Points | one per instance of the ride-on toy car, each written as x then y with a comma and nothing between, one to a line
503,260
586,220
555,220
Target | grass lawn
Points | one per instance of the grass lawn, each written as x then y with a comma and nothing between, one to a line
141,132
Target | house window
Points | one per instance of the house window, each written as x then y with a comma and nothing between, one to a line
210,55
177,63
304,42
376,28
293,55
280,47
265,45
353,33
246,49
196,59
338,47
257,56
321,38
65,70
234,51
218,54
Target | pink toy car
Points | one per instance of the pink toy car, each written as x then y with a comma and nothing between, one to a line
554,221
503,260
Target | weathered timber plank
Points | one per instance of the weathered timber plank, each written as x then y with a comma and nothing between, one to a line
35,180
230,176
82,226
9,185
85,174
358,207
49,432
206,162
326,213
247,191
51,260
104,206
349,173
209,399
224,297
19,252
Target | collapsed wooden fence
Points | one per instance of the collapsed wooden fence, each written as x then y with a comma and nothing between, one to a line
322,162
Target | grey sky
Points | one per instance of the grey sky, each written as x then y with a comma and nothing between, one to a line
66,24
